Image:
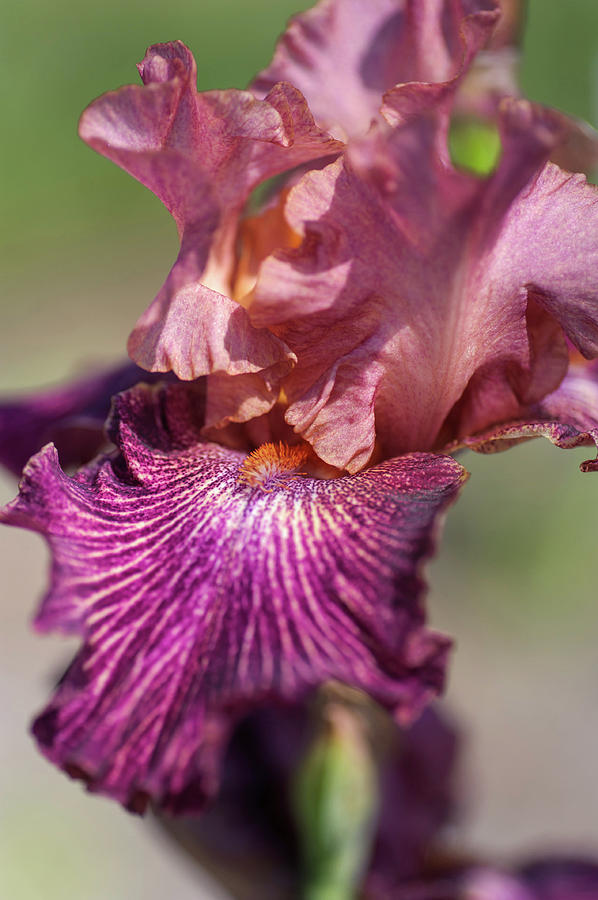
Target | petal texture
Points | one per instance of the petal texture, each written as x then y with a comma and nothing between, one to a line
344,54
425,304
202,155
199,595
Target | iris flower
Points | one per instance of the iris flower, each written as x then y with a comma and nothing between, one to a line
260,525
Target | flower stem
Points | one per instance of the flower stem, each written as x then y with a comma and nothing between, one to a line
328,891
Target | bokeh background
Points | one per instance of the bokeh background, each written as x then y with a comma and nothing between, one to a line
85,248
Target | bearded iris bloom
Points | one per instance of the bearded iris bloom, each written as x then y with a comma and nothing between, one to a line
260,529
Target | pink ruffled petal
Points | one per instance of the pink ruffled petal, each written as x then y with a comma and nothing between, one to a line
568,417
344,54
423,298
202,155
204,582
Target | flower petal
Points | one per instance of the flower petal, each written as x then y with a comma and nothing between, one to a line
202,155
71,415
568,417
546,878
561,878
344,54
199,595
416,284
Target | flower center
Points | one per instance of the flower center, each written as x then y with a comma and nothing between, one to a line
272,463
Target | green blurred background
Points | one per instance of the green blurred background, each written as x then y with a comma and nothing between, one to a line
85,248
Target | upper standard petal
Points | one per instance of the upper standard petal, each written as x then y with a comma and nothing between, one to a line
417,285
344,54
200,592
568,417
201,154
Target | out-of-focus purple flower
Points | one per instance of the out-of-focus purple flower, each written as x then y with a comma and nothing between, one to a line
71,415
549,878
247,835
561,878
204,581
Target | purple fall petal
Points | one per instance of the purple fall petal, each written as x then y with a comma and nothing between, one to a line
71,415
202,154
199,595
344,54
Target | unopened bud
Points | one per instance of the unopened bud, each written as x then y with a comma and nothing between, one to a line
336,801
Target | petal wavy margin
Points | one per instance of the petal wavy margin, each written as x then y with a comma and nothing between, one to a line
568,418
202,154
344,54
199,597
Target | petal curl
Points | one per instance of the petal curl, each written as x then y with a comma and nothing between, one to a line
71,415
201,154
198,596
344,54
417,284
568,417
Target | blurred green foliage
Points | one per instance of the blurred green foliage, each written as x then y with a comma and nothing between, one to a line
560,56
474,145
335,805
58,57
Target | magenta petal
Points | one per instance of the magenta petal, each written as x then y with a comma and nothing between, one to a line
344,54
71,415
202,155
199,596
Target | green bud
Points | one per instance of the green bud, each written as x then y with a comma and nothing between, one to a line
335,803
